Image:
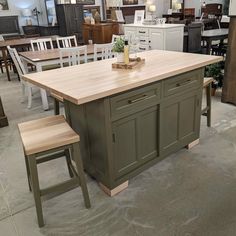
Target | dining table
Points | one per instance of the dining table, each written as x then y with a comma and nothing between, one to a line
213,35
46,58
19,43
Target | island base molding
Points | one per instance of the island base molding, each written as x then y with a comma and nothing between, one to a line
116,190
193,144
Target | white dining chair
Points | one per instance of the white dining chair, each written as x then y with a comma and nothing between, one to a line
103,51
67,42
115,37
73,56
41,44
21,71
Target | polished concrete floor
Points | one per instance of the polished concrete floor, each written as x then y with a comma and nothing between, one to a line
190,193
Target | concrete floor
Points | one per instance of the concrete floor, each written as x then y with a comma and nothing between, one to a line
190,193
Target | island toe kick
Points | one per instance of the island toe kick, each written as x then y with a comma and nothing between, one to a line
116,190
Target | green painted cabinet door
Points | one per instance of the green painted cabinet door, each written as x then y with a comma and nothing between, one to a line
135,140
179,121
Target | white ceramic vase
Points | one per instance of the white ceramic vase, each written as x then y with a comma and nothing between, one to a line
120,57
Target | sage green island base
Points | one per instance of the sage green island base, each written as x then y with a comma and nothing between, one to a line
124,134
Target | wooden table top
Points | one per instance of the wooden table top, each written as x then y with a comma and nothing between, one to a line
50,54
22,41
91,81
215,32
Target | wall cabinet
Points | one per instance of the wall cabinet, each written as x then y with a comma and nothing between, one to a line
124,134
232,8
163,37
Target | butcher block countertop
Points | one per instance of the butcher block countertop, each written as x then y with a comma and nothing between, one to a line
91,81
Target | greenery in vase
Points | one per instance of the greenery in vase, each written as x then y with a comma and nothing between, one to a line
215,71
118,46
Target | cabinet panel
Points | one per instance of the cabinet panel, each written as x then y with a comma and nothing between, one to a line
180,121
135,141
174,39
129,30
156,39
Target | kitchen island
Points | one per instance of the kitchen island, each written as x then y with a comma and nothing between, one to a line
128,120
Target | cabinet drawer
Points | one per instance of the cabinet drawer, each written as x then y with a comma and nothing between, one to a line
133,100
143,40
142,31
182,82
143,47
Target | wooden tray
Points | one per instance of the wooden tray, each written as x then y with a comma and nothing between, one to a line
133,62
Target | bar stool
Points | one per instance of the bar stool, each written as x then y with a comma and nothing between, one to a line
47,139
207,110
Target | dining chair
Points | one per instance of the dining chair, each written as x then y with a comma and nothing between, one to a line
103,51
2,59
21,71
73,56
67,42
41,44
194,38
115,37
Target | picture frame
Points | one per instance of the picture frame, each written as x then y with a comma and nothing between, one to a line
119,16
4,5
139,16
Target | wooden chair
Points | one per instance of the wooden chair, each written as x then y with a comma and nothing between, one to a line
21,71
41,44
45,140
195,38
9,62
72,57
67,42
103,51
207,110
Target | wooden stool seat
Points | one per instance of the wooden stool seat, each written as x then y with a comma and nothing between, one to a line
46,134
207,110
47,139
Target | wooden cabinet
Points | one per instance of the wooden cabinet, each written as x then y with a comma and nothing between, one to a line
164,37
124,134
100,33
232,8
70,19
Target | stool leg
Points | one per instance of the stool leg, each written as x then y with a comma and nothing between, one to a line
36,190
28,172
208,93
79,165
68,161
56,107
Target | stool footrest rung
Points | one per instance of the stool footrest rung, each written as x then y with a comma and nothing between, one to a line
50,157
62,187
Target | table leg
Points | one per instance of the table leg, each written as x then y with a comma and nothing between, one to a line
208,46
4,55
43,91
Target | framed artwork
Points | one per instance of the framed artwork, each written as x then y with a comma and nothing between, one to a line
4,5
130,2
119,16
139,16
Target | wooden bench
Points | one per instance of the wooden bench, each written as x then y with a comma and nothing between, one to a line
47,139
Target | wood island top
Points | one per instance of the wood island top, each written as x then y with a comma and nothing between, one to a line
91,81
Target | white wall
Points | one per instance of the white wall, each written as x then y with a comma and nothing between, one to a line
197,4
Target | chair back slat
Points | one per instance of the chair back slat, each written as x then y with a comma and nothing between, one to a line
41,44
103,51
17,61
73,55
67,42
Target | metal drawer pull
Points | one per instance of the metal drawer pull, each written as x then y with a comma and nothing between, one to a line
142,48
137,99
142,32
142,40
184,83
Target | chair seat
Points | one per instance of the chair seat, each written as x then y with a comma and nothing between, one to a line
46,134
207,81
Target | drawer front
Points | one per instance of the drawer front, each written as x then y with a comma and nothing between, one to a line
133,100
182,83
142,31
143,40
143,47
